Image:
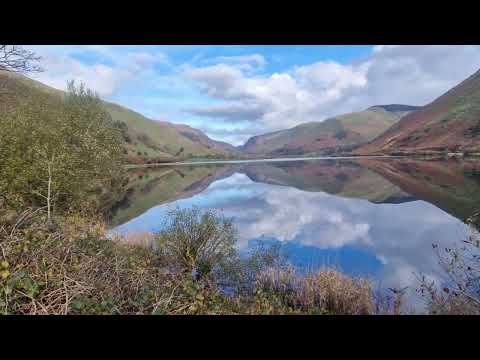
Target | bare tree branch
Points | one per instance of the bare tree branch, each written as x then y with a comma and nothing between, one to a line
15,58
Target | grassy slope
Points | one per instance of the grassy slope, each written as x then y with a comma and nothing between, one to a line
150,140
160,138
348,129
451,122
369,123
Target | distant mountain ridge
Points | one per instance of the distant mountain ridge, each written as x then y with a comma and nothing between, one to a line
336,132
398,108
198,136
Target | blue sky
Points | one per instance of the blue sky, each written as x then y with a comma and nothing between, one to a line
234,92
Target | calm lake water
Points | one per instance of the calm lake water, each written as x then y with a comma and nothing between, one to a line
372,217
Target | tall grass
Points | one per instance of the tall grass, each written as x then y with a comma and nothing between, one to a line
322,292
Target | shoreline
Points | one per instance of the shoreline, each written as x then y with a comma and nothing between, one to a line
203,162
309,158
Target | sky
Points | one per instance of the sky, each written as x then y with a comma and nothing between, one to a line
233,92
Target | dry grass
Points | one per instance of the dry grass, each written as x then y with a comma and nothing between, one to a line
75,269
323,292
144,239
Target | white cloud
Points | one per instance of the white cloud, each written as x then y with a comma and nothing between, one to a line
244,62
103,79
234,111
412,75
296,216
109,69
225,132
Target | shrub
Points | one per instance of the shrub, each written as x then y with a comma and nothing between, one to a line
239,273
74,269
196,241
341,134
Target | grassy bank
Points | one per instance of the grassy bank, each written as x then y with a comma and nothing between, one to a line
70,267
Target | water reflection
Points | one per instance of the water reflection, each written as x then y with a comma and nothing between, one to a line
371,217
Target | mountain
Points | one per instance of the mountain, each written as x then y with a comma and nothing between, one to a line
146,140
198,136
449,123
324,137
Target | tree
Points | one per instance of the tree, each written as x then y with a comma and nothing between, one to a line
17,59
60,153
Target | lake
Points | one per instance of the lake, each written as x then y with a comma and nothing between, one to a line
375,217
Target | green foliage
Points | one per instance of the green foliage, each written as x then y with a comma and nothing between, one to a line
196,241
68,150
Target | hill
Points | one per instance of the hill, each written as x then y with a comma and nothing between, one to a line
450,123
146,140
324,137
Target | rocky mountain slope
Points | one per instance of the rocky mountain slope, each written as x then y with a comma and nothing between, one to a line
450,123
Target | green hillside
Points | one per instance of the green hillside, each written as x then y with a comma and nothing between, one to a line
146,140
317,137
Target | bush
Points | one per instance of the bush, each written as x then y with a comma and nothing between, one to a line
196,241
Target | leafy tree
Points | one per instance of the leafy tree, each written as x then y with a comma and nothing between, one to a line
60,153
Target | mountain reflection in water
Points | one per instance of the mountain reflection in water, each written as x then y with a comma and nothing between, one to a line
371,217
